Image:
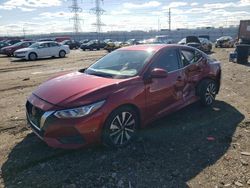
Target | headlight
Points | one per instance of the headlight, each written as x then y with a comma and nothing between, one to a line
80,111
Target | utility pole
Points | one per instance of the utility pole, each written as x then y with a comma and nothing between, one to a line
169,19
23,32
74,8
98,11
158,23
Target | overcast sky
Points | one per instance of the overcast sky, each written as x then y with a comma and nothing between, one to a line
46,16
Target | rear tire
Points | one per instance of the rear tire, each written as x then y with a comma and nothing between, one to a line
32,56
207,90
62,53
120,127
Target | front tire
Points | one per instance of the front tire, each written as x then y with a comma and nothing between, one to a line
62,54
120,127
207,90
32,56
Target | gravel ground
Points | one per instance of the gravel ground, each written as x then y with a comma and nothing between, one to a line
194,147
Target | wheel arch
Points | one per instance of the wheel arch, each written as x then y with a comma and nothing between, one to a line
32,52
214,78
62,50
132,106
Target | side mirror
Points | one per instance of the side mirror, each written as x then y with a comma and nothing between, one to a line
158,73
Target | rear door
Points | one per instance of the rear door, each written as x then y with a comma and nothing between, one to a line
194,68
54,49
164,94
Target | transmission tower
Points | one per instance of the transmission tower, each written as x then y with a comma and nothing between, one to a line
76,10
98,11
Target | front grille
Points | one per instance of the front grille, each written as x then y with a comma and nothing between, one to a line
34,114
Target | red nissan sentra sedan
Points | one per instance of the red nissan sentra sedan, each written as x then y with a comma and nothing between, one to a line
120,93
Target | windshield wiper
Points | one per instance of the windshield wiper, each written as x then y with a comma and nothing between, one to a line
101,74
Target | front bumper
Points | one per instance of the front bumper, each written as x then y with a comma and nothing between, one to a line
63,133
19,55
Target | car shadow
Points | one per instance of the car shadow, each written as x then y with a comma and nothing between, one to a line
17,60
172,151
4,56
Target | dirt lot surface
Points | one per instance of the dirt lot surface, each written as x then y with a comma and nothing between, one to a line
195,147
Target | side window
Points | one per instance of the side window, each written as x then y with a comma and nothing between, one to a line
52,44
187,57
167,60
43,45
198,56
26,44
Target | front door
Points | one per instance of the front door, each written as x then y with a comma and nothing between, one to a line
43,50
164,94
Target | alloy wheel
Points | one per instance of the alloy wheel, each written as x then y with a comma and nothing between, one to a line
32,56
210,93
62,54
122,128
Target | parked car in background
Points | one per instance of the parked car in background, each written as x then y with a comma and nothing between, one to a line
157,40
84,41
106,41
93,44
131,42
111,46
207,45
60,39
71,43
120,93
42,49
225,42
163,39
13,41
3,44
191,41
9,50
45,39
202,44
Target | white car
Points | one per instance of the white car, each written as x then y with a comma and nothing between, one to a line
42,49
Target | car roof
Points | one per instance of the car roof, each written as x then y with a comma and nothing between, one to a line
42,42
153,47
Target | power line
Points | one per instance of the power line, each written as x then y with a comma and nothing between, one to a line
76,10
98,11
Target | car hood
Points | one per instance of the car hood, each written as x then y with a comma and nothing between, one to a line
75,89
24,49
7,47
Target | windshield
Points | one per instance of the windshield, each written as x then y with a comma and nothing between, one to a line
18,44
120,64
35,45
